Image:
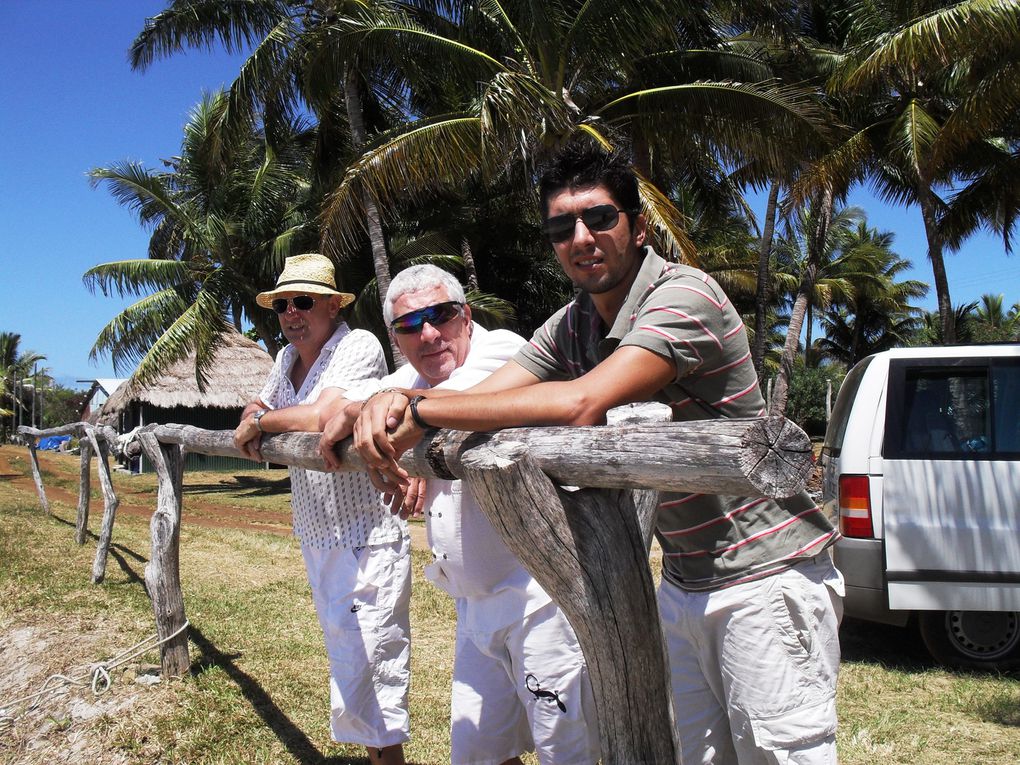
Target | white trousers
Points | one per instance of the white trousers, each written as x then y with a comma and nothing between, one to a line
362,598
521,688
754,667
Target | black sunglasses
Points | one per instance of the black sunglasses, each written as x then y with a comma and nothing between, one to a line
301,302
437,314
560,228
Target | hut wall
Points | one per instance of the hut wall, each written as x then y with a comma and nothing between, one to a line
201,417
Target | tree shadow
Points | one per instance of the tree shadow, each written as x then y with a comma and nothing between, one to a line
289,734
892,647
243,486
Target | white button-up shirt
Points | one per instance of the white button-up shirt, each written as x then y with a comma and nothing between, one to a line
470,560
330,510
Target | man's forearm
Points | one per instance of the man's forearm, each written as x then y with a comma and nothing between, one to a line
549,403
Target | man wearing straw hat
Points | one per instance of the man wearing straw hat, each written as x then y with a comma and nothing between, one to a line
356,553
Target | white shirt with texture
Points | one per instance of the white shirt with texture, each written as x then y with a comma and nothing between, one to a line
334,510
470,560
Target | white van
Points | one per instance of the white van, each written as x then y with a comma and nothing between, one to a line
921,463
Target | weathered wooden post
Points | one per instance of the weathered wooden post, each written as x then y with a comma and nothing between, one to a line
162,572
81,525
110,503
37,475
589,549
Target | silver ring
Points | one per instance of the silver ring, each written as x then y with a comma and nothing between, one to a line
382,476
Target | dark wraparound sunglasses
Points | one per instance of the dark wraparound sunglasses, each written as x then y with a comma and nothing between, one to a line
301,302
437,314
560,228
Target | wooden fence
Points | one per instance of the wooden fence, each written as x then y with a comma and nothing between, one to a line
588,547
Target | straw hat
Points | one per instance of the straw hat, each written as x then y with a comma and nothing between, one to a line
312,273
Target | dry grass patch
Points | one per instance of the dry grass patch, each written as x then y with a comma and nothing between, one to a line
257,692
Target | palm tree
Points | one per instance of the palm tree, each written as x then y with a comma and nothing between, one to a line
877,314
520,78
993,322
296,64
16,365
223,216
925,82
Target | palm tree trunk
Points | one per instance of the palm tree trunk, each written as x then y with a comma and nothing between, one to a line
469,264
761,295
266,332
800,305
808,319
373,221
938,264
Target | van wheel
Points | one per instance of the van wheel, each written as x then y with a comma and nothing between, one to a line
972,639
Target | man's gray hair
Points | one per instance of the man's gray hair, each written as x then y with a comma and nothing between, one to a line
418,278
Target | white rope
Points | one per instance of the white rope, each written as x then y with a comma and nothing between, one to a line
99,674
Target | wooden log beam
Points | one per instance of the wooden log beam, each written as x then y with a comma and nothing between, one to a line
110,504
70,429
589,549
81,525
162,572
744,457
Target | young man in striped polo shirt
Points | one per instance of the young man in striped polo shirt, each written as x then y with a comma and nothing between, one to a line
750,600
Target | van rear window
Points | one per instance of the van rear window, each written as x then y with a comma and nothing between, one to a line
962,410
836,429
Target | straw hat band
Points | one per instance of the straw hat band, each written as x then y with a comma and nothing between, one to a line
304,281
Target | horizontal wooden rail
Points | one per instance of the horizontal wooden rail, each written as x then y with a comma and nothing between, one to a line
743,457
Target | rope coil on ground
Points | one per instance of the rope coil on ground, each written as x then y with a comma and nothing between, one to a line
99,675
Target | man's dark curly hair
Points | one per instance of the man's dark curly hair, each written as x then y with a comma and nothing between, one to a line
582,164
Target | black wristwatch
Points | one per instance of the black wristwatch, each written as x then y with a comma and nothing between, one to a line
414,413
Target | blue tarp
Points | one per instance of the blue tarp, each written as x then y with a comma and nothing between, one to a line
52,442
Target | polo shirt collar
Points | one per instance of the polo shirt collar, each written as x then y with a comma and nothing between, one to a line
647,275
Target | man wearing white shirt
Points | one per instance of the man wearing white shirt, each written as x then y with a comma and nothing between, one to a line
357,554
519,678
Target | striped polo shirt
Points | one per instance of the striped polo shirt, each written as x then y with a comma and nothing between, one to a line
680,313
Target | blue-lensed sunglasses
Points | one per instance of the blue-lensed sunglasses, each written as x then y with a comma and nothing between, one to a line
437,314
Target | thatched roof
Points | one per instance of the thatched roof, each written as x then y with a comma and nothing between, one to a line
237,374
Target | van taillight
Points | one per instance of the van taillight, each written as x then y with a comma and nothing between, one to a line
855,506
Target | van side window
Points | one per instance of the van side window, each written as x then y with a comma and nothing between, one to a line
963,411
1006,409
930,424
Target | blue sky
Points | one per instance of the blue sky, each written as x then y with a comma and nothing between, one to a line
70,102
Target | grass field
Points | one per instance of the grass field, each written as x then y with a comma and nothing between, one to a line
257,691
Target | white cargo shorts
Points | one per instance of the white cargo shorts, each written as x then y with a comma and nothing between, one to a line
362,597
754,667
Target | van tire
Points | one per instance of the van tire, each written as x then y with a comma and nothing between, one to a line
988,640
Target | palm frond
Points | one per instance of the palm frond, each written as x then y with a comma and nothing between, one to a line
937,38
133,277
432,154
200,24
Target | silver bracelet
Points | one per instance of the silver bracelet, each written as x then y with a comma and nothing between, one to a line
383,390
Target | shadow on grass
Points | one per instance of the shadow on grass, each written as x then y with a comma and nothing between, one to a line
243,486
898,648
289,734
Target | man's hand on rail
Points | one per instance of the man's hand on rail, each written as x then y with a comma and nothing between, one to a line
335,430
248,439
411,504
382,433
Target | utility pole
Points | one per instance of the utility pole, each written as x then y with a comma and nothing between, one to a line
35,388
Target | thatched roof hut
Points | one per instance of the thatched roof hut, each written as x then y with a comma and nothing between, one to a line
238,372
236,376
